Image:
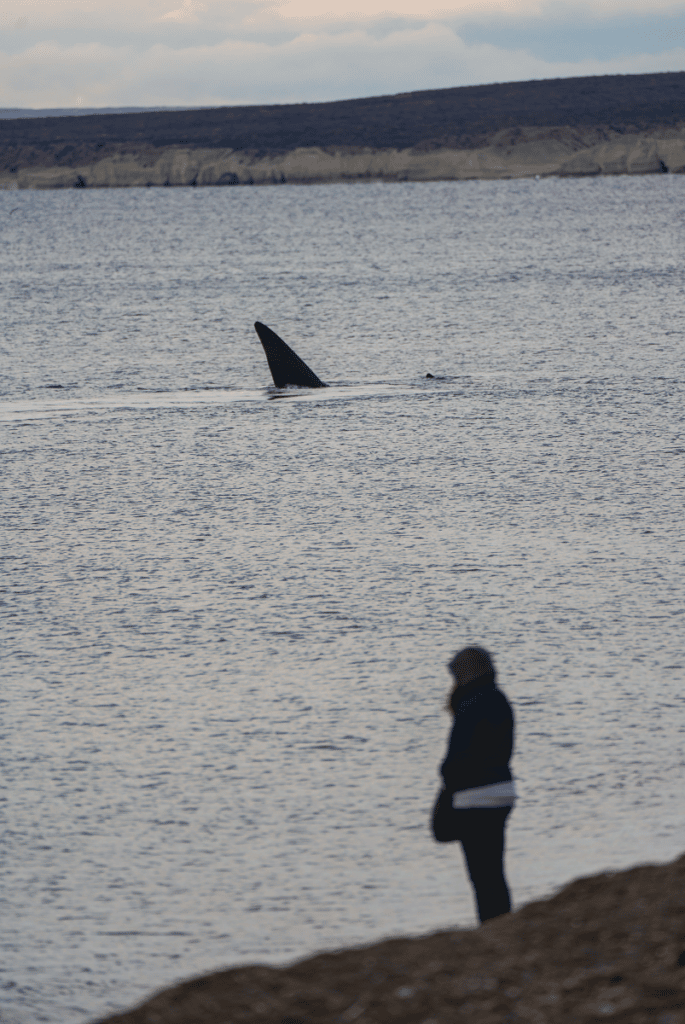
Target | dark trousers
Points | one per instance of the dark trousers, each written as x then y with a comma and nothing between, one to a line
482,840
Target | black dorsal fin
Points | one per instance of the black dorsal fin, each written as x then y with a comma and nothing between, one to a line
285,365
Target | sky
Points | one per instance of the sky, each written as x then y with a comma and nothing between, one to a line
99,53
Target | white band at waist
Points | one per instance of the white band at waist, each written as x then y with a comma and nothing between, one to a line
499,794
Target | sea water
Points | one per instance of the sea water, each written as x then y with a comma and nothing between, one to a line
227,609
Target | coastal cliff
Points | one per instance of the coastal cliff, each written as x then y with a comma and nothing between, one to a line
610,947
620,124
555,152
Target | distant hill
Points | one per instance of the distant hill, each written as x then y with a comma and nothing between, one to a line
460,118
587,111
23,112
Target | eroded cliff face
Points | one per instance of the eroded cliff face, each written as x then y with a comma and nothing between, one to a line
511,154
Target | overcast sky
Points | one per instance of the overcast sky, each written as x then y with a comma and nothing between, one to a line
65,53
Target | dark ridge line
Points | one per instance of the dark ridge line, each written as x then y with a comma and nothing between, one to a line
458,118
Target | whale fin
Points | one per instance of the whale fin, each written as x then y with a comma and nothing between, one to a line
286,367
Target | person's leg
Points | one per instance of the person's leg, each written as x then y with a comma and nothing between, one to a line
482,841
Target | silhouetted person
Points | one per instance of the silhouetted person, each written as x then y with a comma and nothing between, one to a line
477,776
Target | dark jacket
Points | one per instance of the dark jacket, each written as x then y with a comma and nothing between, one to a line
482,737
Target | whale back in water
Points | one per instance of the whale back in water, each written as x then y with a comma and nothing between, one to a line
285,365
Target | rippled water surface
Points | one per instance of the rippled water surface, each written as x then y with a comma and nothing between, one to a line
227,609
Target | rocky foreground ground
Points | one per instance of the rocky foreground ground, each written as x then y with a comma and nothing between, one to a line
606,948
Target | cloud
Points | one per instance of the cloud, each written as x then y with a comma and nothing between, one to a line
99,18
142,53
357,10
188,12
312,65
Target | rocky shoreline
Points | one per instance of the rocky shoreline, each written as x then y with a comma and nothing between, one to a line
610,124
541,152
610,947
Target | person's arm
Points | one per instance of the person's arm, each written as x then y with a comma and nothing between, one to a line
455,767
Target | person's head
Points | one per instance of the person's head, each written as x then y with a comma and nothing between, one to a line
467,665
